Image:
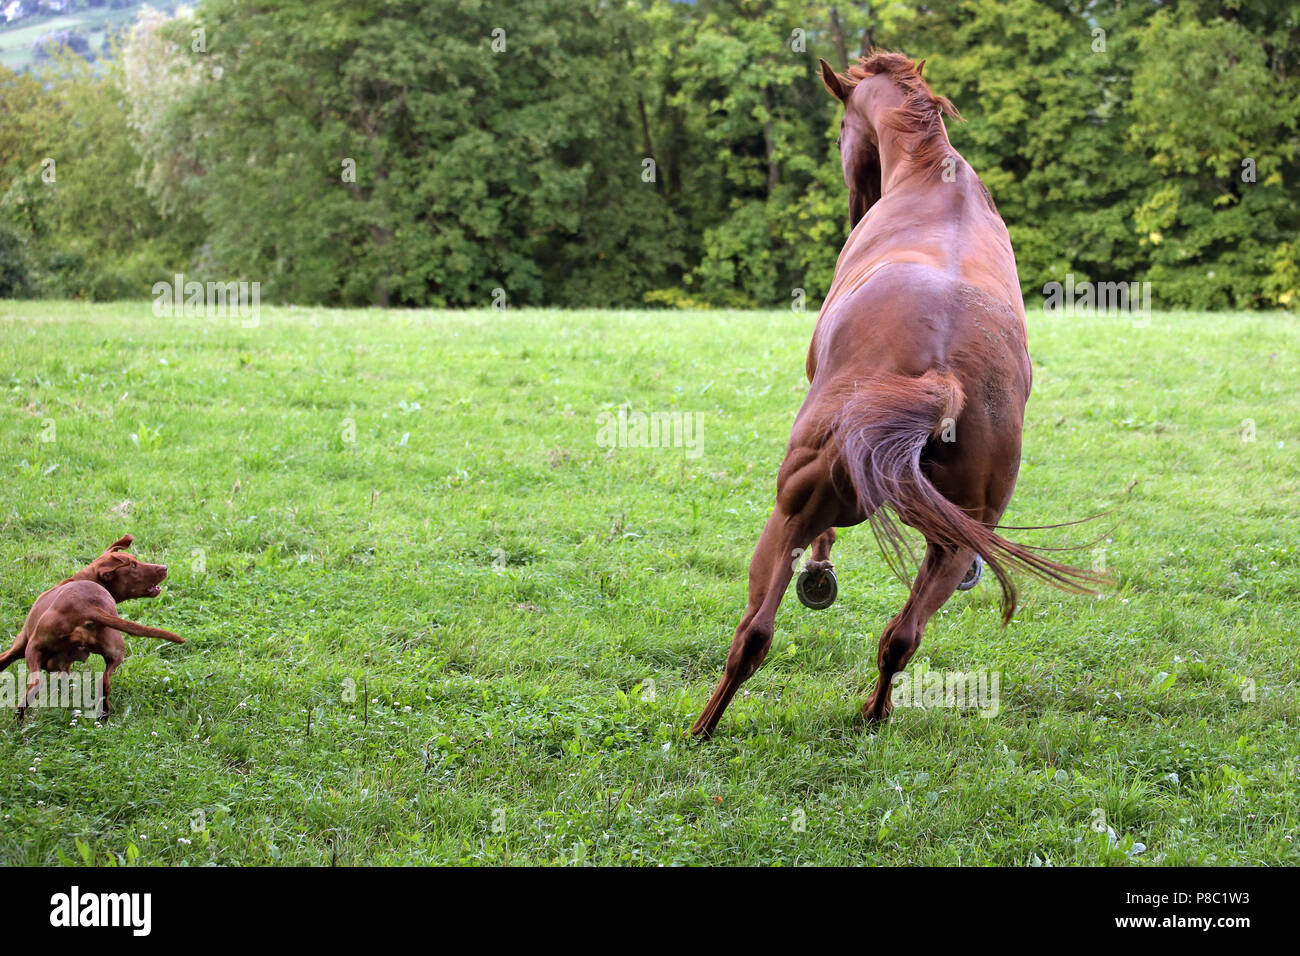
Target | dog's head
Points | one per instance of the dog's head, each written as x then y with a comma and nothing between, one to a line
124,575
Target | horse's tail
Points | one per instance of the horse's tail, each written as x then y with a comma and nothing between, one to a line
100,616
881,432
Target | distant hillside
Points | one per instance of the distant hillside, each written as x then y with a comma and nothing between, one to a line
28,27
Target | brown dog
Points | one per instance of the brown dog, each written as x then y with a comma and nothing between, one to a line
78,617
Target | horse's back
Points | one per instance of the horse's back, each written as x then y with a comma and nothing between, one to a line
908,317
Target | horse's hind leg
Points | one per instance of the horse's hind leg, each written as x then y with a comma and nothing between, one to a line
770,571
805,508
940,573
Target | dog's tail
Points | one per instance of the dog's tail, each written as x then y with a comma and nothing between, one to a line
130,627
881,432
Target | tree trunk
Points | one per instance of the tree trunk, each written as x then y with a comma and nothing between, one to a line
837,32
647,145
868,38
769,144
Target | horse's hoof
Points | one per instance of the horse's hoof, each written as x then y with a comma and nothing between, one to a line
817,589
973,575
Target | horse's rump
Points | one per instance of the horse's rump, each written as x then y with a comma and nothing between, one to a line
881,431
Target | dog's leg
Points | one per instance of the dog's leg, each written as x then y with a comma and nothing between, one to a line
112,661
941,571
42,638
33,684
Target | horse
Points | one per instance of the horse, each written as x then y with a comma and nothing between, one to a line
918,375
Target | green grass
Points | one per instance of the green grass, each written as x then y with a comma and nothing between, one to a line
501,589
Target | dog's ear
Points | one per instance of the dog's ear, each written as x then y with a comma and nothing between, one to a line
121,544
109,563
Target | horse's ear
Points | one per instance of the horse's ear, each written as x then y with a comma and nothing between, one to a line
919,67
833,82
121,544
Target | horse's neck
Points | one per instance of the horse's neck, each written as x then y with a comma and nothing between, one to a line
903,224
907,156
948,191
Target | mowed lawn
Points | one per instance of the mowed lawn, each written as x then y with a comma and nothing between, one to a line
432,620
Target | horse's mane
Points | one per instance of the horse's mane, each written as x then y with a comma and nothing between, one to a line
920,115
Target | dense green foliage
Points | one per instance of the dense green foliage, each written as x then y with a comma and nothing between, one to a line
429,152
431,619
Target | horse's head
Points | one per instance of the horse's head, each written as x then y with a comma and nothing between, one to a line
884,98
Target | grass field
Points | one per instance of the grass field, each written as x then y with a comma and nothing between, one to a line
17,38
415,504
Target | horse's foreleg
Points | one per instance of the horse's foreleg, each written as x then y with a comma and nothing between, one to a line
940,573
817,586
819,555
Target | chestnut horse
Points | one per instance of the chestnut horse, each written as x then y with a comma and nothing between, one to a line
918,374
